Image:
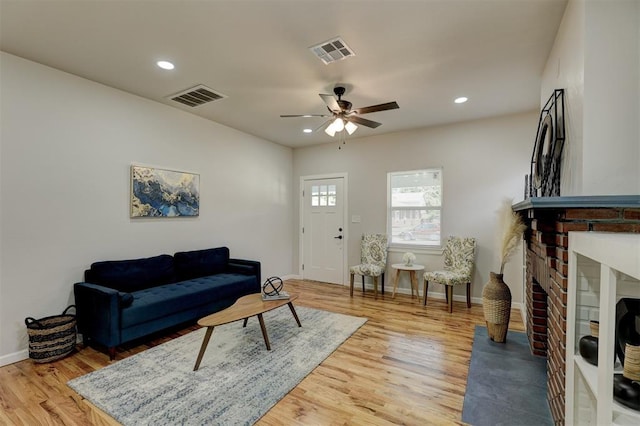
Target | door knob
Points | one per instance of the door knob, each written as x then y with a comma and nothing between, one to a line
339,237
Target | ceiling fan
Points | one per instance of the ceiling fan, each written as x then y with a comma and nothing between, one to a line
342,116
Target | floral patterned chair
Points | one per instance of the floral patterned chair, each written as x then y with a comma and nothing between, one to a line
459,256
373,261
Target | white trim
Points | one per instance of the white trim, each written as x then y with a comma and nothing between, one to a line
432,295
434,251
24,354
412,247
291,277
14,357
345,252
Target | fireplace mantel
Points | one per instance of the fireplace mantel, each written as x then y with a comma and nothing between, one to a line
549,221
579,202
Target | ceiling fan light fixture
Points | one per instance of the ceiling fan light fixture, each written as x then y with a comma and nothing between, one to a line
330,130
350,127
338,125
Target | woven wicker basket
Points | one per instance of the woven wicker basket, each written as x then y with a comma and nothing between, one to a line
51,338
496,304
632,362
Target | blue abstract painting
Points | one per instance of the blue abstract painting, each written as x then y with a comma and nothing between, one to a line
164,193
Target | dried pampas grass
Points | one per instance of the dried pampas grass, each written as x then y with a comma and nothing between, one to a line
510,228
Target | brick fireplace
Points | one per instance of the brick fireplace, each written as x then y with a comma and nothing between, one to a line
549,220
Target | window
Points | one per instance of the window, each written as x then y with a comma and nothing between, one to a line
414,207
323,195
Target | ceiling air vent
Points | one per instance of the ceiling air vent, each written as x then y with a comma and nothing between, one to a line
332,50
196,96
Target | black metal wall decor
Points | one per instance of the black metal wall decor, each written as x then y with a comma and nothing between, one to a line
544,180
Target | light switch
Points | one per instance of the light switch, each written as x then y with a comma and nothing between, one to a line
355,219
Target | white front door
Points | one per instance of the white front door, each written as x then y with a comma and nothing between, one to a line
323,230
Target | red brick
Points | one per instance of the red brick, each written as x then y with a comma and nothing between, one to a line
592,213
631,214
546,238
539,321
540,313
562,241
539,305
539,338
540,329
539,296
538,225
563,268
565,227
562,254
617,227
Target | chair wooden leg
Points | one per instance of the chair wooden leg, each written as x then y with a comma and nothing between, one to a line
426,287
351,285
383,283
363,284
375,287
450,297
468,295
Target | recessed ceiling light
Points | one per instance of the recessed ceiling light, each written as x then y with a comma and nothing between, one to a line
308,130
165,65
461,100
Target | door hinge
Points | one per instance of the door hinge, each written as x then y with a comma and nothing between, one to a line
303,229
303,266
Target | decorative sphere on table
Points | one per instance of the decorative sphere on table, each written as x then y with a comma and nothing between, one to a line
272,286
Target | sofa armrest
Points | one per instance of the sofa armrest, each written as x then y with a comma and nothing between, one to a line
98,313
245,267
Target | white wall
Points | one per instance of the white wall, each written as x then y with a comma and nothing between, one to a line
595,58
483,162
66,148
611,98
565,70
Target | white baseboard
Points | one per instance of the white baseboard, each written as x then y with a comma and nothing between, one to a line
14,357
291,277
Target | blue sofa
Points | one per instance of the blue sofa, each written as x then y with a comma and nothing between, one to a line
123,300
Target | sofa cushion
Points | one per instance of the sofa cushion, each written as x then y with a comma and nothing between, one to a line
132,275
201,263
157,302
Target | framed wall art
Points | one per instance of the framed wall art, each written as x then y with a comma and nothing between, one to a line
164,193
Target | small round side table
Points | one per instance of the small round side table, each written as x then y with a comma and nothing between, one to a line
412,275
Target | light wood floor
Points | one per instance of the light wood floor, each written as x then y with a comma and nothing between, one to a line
407,365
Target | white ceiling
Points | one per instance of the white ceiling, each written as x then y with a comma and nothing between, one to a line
422,54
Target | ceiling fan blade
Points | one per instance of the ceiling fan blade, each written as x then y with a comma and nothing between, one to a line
364,122
303,115
376,108
322,125
331,102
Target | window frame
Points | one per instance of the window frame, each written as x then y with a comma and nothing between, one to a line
414,247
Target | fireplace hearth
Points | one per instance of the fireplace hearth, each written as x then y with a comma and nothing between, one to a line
549,221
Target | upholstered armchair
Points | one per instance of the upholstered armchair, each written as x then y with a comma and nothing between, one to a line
459,257
373,261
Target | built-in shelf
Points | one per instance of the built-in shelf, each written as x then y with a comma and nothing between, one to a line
603,268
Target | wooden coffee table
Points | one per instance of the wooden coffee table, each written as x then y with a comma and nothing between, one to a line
245,307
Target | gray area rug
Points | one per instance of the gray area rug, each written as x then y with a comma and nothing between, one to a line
238,380
506,384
